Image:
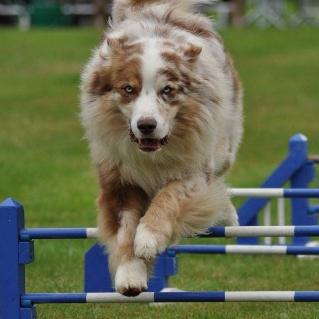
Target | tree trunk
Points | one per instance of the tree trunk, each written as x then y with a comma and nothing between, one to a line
100,14
238,13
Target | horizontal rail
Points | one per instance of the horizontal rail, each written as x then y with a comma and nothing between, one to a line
274,192
83,233
28,300
58,233
244,249
262,231
237,231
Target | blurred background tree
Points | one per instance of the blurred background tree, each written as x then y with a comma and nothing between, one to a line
238,13
100,13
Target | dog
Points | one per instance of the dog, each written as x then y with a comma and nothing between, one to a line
161,104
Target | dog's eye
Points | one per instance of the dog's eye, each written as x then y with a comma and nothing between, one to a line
128,89
167,90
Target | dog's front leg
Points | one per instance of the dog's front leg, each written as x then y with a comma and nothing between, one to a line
164,218
121,207
181,208
157,227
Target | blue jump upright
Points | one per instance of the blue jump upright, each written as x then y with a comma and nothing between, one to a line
297,169
16,251
14,255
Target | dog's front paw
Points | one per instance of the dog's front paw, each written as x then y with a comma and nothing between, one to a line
131,278
148,244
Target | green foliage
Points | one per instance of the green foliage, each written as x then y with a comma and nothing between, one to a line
44,163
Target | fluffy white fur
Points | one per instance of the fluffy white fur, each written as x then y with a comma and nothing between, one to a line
131,274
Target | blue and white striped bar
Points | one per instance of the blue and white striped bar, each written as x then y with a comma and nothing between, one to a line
83,233
238,231
274,192
263,231
159,297
244,249
58,233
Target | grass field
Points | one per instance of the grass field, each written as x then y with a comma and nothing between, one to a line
44,163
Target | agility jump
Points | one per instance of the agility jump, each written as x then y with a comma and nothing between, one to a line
17,250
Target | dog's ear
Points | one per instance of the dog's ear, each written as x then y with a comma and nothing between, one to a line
101,82
112,44
191,52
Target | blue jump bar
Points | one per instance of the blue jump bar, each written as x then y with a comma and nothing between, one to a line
267,231
274,192
244,249
28,300
55,233
240,231
295,192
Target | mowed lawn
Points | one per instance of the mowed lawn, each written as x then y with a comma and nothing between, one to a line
44,164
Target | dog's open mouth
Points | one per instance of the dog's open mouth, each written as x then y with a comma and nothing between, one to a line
149,144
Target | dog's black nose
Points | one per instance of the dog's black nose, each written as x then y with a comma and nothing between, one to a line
147,125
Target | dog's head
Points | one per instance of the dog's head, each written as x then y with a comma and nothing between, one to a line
150,86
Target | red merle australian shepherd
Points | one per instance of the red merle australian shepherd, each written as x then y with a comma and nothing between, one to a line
162,110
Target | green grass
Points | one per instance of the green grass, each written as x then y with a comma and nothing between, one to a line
44,163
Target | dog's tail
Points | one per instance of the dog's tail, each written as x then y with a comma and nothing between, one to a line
121,7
